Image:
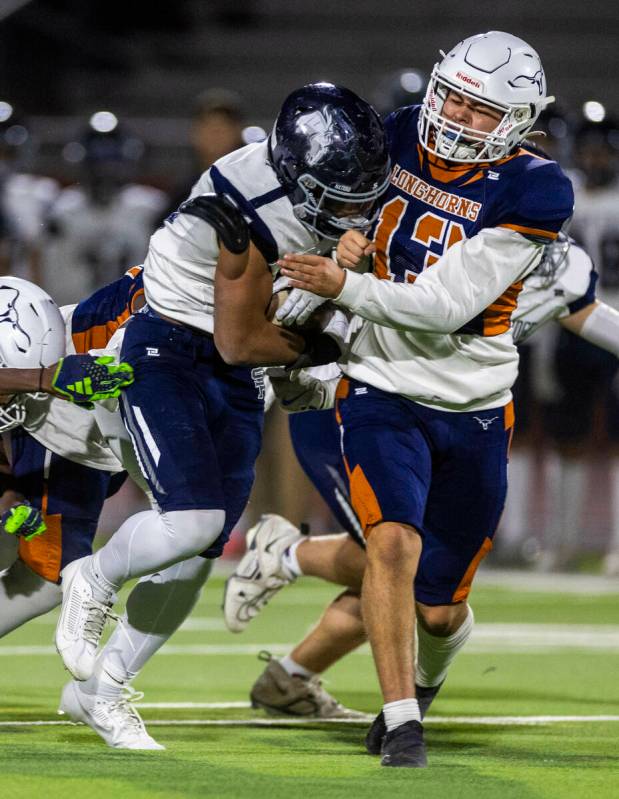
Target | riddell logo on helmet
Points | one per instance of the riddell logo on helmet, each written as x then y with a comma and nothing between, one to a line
468,79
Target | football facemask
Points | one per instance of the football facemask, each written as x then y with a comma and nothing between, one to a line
12,414
330,212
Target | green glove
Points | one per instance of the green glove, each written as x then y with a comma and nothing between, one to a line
23,520
83,379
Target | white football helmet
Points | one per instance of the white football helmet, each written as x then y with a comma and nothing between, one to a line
32,335
497,69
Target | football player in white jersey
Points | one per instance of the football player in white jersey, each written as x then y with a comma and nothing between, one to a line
195,422
585,378
100,226
50,447
425,405
25,199
562,289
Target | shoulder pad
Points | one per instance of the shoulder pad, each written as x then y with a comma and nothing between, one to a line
219,211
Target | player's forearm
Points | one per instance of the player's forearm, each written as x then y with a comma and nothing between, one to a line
263,344
598,323
468,278
26,381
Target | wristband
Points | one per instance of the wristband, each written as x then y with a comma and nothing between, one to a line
320,348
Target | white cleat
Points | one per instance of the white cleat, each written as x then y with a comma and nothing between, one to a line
116,721
82,619
260,573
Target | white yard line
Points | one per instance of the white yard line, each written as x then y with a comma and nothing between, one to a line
504,721
547,583
497,638
194,705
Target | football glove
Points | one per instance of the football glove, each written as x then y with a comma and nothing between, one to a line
23,520
85,380
298,307
298,391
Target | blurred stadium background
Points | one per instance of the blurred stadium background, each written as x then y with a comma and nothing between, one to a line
109,111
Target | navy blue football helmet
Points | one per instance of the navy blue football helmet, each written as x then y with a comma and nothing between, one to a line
329,151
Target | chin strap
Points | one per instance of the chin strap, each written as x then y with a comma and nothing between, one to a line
224,216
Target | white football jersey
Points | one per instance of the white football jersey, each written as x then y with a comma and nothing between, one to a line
456,366
420,355
179,271
541,299
90,245
25,202
67,429
595,225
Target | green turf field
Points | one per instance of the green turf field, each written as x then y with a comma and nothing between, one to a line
535,653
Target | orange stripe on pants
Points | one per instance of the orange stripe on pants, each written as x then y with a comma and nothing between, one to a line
464,589
363,499
43,554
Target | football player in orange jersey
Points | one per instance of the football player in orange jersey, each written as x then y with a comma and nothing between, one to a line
424,407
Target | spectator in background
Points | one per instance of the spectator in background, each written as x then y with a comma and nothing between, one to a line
587,376
217,129
394,90
25,199
101,226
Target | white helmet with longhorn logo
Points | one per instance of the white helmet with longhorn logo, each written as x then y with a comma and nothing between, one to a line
497,69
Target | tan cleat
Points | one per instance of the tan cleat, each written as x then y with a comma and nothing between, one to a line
280,693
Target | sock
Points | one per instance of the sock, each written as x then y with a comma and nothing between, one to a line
289,560
149,542
434,653
295,669
102,588
24,596
156,607
398,713
103,683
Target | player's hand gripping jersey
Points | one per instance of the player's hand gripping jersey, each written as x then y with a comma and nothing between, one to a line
467,235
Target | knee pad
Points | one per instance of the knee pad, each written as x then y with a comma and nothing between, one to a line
194,530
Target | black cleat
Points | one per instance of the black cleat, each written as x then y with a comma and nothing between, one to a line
376,733
404,747
425,697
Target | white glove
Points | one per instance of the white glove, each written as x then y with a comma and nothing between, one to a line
298,308
298,391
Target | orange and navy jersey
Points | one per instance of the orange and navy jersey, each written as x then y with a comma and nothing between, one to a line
97,318
430,205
